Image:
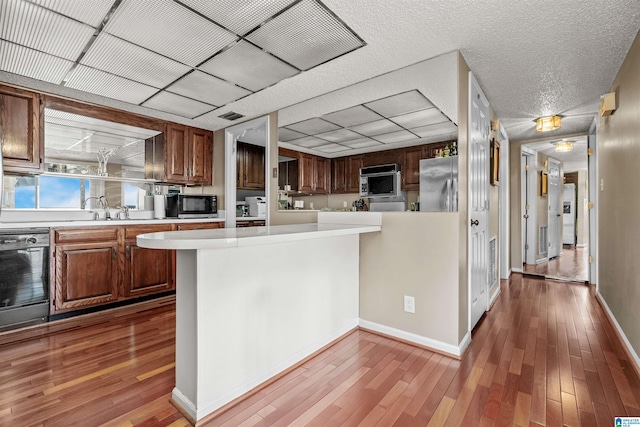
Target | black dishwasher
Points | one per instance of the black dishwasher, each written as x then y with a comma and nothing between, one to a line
24,277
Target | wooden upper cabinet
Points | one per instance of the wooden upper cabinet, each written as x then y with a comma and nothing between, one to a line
354,163
339,175
250,166
306,173
188,155
322,169
177,154
411,167
21,130
200,143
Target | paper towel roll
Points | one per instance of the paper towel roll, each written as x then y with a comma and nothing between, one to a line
158,206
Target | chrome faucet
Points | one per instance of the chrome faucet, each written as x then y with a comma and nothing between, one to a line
124,211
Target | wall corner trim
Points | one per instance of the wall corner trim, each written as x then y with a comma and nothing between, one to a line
419,340
631,354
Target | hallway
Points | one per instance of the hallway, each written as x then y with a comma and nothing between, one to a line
572,264
544,355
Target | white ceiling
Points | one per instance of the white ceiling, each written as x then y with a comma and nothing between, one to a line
531,58
573,160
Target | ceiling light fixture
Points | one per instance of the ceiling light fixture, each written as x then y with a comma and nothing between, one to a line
564,146
547,123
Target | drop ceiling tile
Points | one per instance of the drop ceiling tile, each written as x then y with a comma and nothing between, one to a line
238,16
420,118
401,103
363,143
305,35
390,138
339,135
352,116
313,126
78,9
105,84
308,142
331,148
285,134
206,88
248,66
166,27
376,128
178,105
133,62
33,26
439,129
31,63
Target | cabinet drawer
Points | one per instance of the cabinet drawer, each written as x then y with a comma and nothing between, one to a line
199,226
134,230
67,235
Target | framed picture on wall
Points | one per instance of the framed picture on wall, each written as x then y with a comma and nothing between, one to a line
543,183
494,162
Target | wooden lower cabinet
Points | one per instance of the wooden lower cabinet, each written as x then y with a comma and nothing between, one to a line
146,271
253,223
86,274
199,226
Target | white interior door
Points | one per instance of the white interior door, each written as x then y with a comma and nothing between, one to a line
529,196
555,236
479,123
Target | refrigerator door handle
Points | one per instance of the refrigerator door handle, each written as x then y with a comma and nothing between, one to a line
454,195
448,201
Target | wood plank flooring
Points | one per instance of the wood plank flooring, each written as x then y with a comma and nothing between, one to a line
544,355
572,264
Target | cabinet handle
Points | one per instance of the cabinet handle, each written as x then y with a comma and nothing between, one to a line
127,252
114,252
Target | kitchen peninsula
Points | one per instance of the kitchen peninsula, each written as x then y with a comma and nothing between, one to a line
252,302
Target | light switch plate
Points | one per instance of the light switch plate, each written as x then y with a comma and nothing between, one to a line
275,172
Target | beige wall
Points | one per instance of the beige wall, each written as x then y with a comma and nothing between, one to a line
515,212
494,213
618,202
413,255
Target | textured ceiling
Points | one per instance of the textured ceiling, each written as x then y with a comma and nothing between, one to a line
573,160
531,58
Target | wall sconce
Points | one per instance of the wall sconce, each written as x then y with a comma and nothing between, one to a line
547,123
564,146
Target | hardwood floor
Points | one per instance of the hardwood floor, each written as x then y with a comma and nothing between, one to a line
545,355
572,264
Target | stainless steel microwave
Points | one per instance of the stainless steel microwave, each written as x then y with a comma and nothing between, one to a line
191,206
380,181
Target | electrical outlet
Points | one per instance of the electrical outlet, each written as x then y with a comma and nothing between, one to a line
409,304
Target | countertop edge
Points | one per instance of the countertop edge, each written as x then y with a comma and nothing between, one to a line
253,238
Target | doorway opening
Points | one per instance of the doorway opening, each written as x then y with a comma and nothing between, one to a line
557,190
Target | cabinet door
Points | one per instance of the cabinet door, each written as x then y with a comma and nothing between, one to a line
253,169
354,163
339,175
306,172
177,154
147,271
199,225
20,130
322,175
86,274
200,156
411,168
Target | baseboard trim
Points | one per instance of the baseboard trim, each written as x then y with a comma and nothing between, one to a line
418,340
516,270
631,354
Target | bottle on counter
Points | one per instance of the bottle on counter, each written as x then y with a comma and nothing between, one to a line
454,149
446,151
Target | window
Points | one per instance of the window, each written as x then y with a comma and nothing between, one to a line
44,192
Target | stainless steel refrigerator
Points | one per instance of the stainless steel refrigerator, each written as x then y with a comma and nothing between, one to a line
439,184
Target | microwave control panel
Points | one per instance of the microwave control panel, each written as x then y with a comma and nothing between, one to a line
364,186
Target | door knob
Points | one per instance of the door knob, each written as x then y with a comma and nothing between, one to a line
526,216
475,222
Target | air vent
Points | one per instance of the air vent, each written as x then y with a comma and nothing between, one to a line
231,115
543,240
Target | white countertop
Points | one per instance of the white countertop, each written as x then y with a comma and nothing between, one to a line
113,222
233,237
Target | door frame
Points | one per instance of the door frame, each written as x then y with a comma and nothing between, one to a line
529,183
231,136
558,237
504,264
592,189
474,82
